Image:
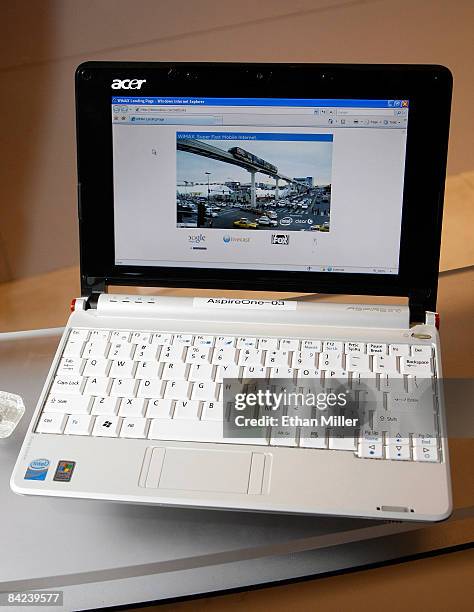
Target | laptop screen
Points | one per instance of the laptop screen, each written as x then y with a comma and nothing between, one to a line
259,184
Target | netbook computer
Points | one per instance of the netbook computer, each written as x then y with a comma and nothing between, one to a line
314,179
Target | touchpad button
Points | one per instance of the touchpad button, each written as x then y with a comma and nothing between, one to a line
206,470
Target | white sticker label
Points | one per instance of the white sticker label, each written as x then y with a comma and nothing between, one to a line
244,303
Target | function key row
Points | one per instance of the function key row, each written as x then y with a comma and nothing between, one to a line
85,340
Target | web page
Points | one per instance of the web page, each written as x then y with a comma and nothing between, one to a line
264,184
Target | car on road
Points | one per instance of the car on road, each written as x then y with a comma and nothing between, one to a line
244,223
264,220
320,227
304,206
271,214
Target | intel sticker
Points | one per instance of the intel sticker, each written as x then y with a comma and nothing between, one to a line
37,469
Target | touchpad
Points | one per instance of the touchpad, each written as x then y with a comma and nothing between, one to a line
206,470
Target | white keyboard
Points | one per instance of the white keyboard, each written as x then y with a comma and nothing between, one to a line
168,386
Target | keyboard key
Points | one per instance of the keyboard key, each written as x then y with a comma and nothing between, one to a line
426,453
149,369
305,373
183,339
122,369
106,405
119,336
206,391
224,355
97,367
206,341
70,385
277,359
331,346
341,442
224,341
303,359
308,345
52,423
385,364
79,425
227,371
354,348
255,372
96,348
160,409
198,354
134,428
421,351
201,371
121,351
147,352
107,426
330,361
100,334
186,409
284,436
151,388
142,338
281,372
268,344
177,390
124,387
70,365
358,362
175,371
313,437
250,357
173,353
370,450
186,430
392,383
376,348
212,411
69,404
97,386
162,339
290,344
400,350
425,440
132,407
73,348
398,452
246,342
78,334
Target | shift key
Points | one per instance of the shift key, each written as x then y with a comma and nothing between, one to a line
68,404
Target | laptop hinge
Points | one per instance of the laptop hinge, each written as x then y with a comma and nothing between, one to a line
419,303
92,284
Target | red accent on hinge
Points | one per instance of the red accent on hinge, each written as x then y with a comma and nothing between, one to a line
72,306
437,320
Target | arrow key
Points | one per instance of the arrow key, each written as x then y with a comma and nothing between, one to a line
398,452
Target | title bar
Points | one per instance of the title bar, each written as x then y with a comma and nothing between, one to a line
291,102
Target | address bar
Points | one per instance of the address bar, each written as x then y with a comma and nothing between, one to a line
366,111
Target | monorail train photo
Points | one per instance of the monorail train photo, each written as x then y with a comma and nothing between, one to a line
253,159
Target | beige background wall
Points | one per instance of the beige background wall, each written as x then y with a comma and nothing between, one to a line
43,41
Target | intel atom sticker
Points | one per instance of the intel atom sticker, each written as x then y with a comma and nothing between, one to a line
37,469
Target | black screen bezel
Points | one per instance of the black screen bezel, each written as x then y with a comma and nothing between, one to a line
428,89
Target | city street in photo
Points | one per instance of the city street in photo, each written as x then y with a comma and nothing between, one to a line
254,181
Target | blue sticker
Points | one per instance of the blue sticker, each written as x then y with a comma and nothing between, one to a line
37,469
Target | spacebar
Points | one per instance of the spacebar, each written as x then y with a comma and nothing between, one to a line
194,431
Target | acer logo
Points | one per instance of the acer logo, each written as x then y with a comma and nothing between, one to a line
127,83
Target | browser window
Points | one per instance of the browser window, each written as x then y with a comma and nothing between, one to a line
263,184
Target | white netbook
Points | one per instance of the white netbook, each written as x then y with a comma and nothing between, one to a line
300,178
